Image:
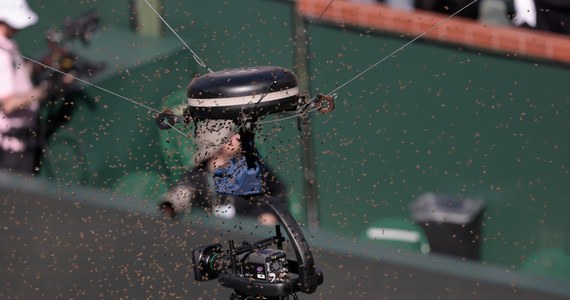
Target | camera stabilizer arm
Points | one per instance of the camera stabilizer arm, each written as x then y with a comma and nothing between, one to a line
309,277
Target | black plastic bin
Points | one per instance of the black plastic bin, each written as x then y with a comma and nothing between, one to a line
452,225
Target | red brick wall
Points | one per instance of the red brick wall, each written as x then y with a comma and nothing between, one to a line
515,41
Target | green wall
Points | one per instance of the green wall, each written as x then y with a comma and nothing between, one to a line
438,118
433,118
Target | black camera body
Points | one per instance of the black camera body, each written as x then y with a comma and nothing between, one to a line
265,264
61,58
261,268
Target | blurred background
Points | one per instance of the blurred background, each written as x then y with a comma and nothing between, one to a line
442,173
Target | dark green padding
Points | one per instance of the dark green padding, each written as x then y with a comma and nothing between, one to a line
146,187
549,262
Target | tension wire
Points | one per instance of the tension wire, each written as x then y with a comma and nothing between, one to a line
401,48
198,60
202,64
377,63
304,40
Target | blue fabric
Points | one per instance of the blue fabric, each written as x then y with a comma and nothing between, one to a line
238,179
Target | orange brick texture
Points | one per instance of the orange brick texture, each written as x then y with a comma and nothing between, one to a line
456,30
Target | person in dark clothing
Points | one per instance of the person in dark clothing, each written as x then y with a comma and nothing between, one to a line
451,6
216,145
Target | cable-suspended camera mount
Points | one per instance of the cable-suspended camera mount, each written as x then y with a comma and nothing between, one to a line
252,270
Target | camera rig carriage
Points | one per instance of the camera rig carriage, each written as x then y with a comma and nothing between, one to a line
252,270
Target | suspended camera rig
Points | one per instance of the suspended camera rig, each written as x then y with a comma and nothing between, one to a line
245,95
